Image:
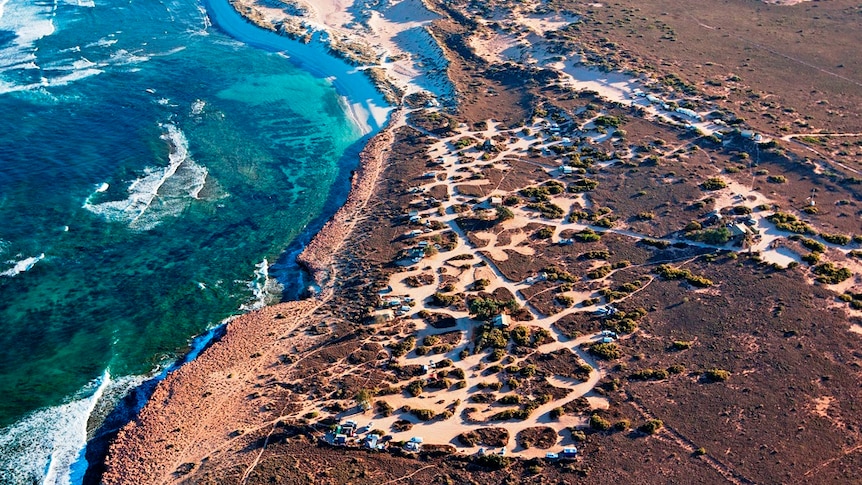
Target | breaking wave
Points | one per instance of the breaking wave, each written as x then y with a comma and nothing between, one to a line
48,445
22,266
160,192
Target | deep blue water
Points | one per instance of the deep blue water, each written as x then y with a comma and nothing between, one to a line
149,165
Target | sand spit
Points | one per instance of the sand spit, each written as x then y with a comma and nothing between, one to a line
195,409
317,256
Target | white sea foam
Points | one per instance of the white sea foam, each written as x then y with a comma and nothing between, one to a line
30,22
265,290
47,446
160,192
22,266
103,187
103,42
198,107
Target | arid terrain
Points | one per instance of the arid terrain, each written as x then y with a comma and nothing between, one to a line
597,242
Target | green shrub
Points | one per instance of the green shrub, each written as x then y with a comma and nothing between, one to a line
830,274
423,414
790,223
415,388
608,351
716,236
599,272
443,300
670,273
646,216
655,243
648,375
652,426
776,179
599,423
583,185
680,345
545,233
812,245
556,413
504,213
493,461
597,254
716,375
839,239
587,235
481,284
811,258
714,183
403,347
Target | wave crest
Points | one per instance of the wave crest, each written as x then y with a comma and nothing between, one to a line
160,192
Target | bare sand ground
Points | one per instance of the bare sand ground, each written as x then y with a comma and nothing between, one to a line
197,408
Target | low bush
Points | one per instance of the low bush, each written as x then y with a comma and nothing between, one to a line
714,183
423,414
716,375
652,426
608,351
599,423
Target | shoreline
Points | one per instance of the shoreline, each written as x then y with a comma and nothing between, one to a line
233,414
249,333
349,82
365,106
317,257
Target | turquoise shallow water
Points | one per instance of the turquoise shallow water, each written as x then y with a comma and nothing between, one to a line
149,165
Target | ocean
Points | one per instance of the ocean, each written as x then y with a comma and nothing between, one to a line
157,174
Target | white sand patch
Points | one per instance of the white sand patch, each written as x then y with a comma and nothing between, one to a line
544,24
781,256
856,328
414,59
331,13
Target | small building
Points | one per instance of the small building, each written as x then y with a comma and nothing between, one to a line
566,241
502,320
567,170
340,440
414,233
569,452
551,456
737,232
496,200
